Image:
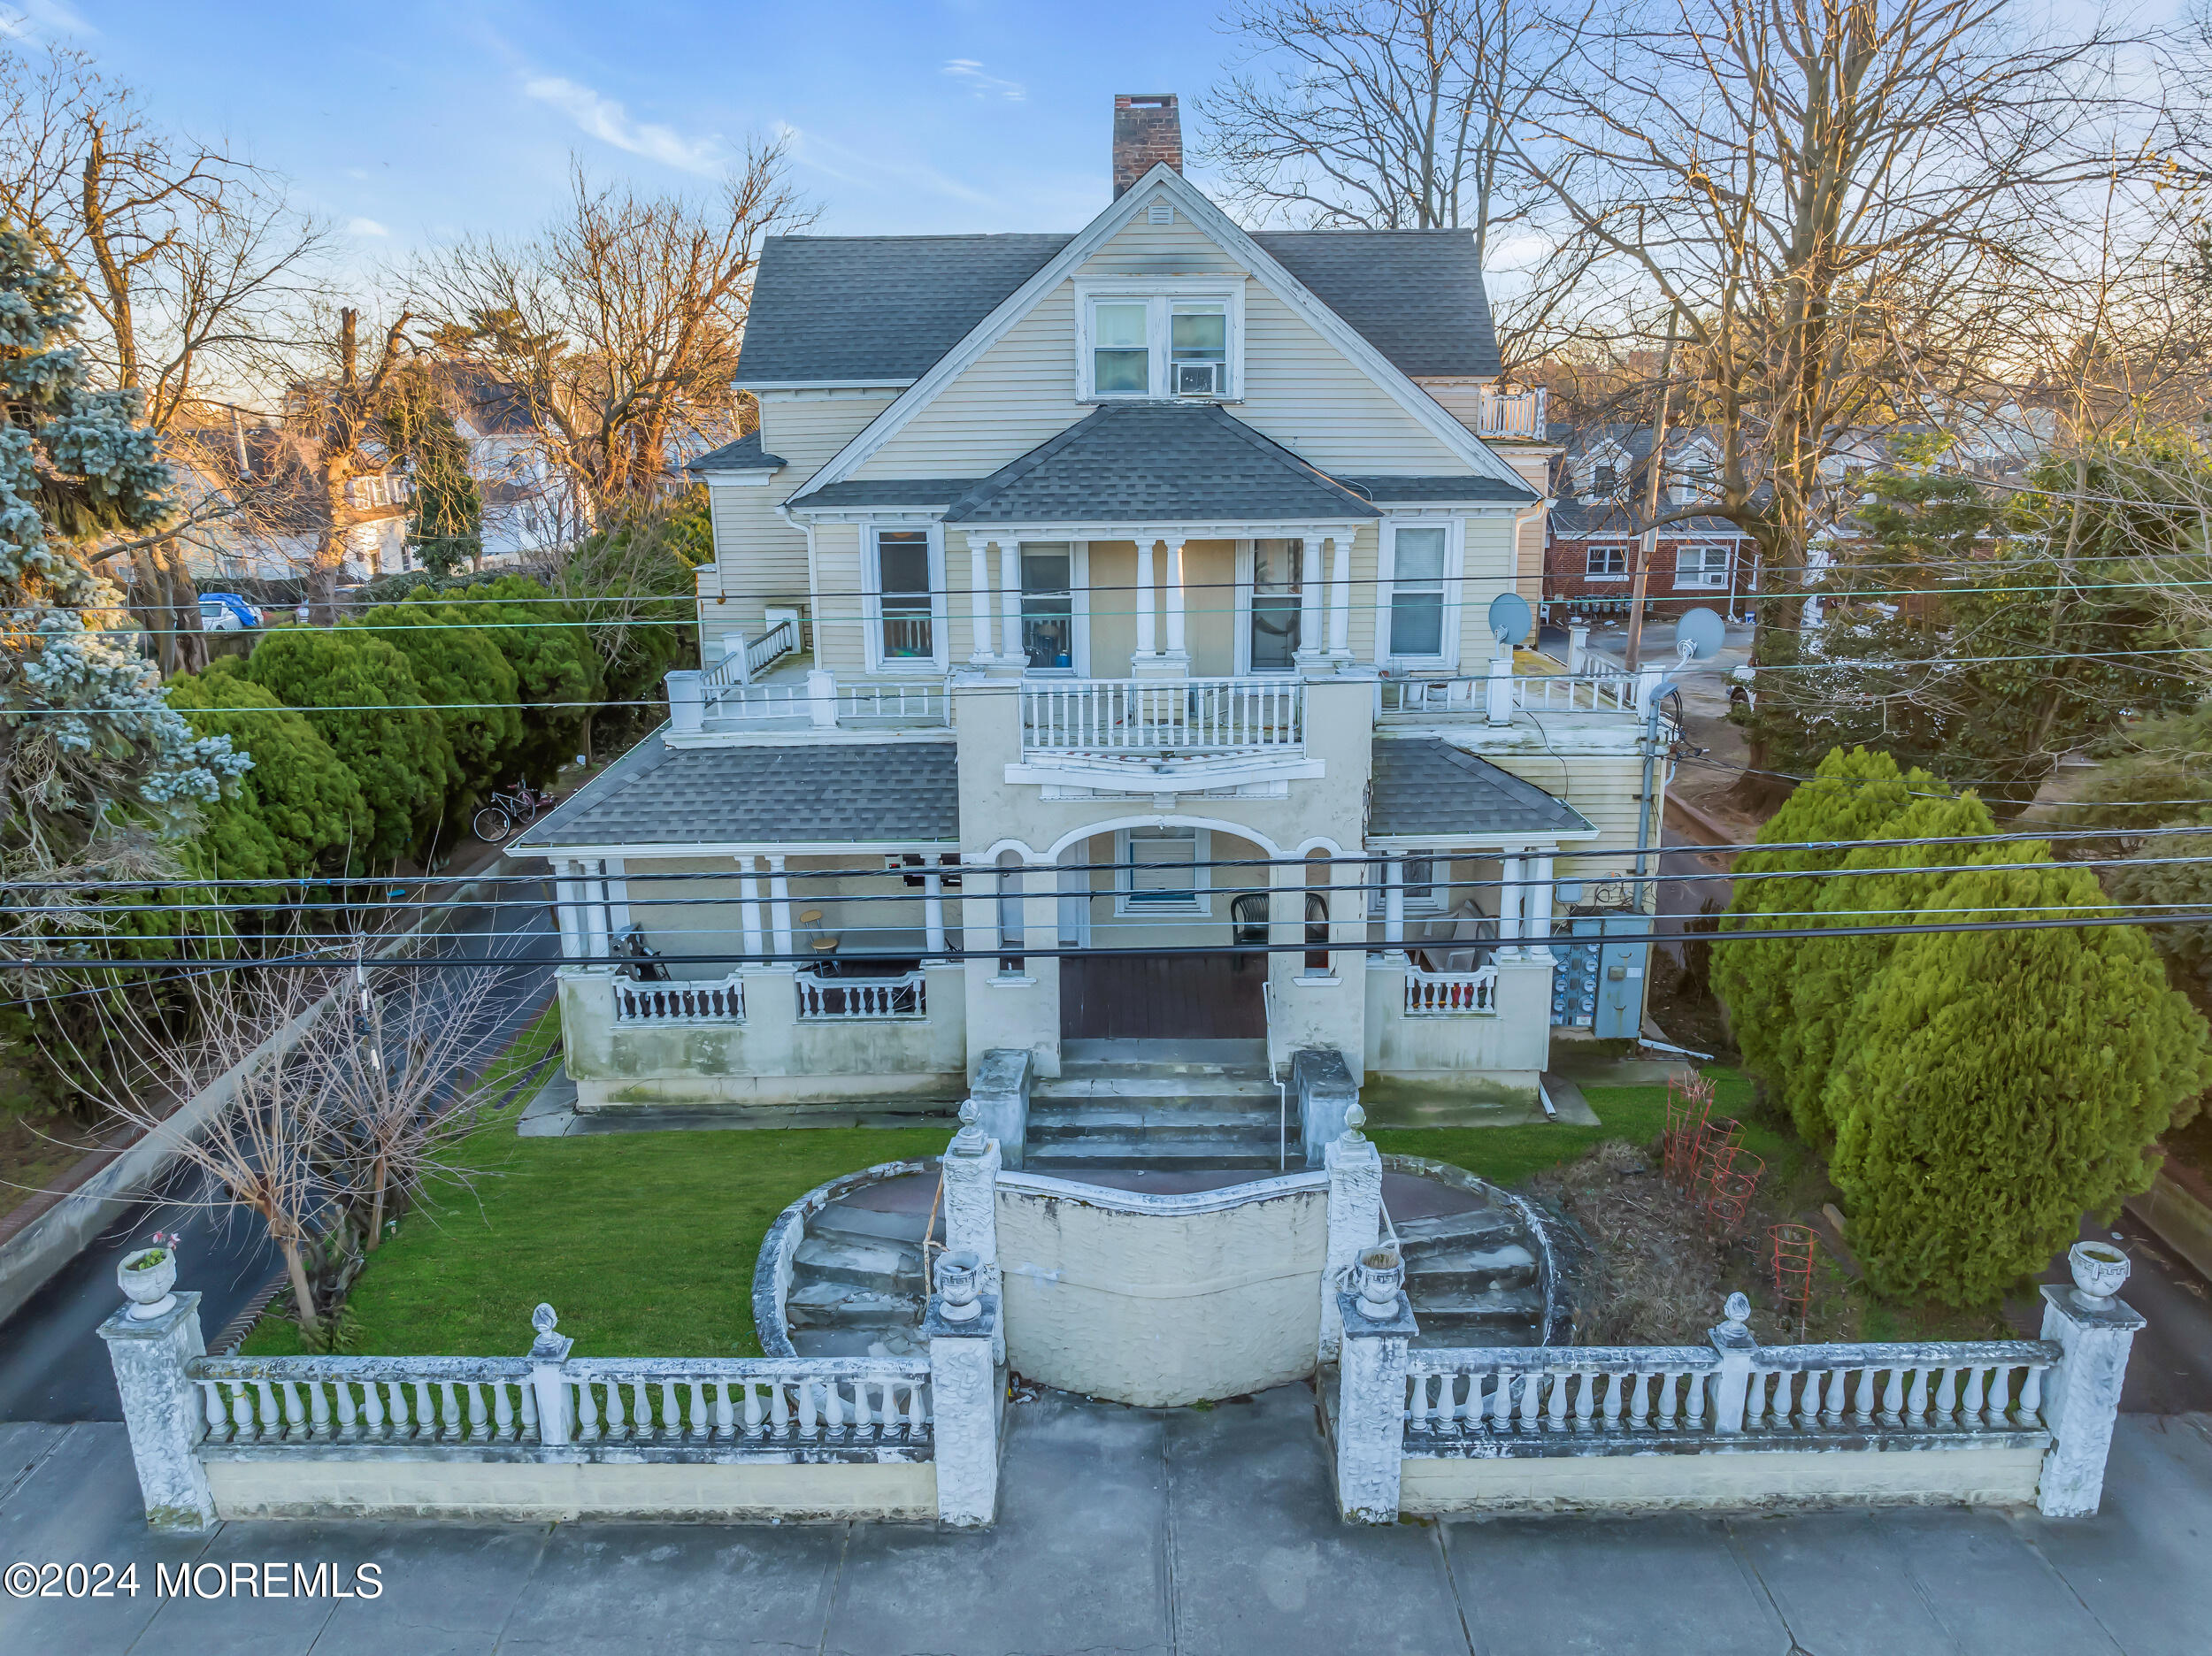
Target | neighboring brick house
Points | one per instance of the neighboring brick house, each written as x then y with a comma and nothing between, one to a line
1598,491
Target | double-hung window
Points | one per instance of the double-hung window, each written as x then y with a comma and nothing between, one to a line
1417,874
1705,566
1603,480
1048,605
1417,591
1608,560
1121,347
1175,344
1276,603
1158,872
906,629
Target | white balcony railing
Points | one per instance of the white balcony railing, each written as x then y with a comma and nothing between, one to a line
856,1000
1511,414
1452,994
745,659
1117,717
722,1002
1600,691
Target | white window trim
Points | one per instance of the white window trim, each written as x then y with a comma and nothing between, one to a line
1247,560
1079,613
1202,905
1586,469
1425,902
1628,556
1159,293
1705,582
1385,587
872,601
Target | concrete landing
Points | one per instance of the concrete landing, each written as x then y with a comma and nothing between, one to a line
1180,1530
552,1114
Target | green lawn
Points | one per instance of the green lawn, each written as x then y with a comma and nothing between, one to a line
1506,1155
643,1242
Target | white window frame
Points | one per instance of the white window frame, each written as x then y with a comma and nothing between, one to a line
1424,900
1625,549
1695,469
1160,296
1247,565
1708,580
1078,612
1609,455
871,600
1201,905
1386,587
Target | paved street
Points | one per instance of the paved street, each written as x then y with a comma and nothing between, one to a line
53,1368
1143,1531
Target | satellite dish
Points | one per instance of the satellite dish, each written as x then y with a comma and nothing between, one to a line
1511,618
1698,635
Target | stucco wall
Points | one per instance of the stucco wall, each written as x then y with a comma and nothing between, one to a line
1162,1300
1512,1048
288,1484
770,1058
1719,1480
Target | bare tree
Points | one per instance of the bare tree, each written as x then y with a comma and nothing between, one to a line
190,260
619,322
336,419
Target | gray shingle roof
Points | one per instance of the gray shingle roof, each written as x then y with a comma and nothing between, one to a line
888,491
861,793
1435,488
1415,296
1144,462
829,309
744,454
1425,786
861,308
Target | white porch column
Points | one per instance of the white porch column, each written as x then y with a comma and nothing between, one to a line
1009,575
779,907
1311,643
618,898
749,902
932,913
1394,899
1340,598
1174,544
596,940
1536,906
1146,602
979,596
1509,895
567,913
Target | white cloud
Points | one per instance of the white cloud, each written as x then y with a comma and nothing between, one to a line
365,227
970,73
30,20
870,170
605,119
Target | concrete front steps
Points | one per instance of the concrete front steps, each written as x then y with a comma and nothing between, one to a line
857,1281
1161,1106
1472,1278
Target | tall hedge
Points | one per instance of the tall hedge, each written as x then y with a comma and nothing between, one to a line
300,806
359,692
1828,975
1998,1084
462,673
557,668
1849,796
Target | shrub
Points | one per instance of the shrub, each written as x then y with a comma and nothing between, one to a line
556,668
2000,1084
464,674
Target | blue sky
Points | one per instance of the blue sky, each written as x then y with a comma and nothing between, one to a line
413,123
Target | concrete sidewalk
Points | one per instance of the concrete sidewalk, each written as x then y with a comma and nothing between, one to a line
1155,1531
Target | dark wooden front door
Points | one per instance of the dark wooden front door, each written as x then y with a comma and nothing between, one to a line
1163,996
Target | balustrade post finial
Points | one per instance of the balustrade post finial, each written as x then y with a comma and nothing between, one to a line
1734,1342
970,1140
549,1346
1354,1118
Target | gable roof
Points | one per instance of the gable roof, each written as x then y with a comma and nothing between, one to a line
745,454
858,792
875,309
1425,786
1142,461
880,310
1164,182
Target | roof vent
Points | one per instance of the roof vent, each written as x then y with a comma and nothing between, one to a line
1159,212
1147,130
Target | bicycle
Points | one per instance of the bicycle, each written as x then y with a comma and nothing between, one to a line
499,818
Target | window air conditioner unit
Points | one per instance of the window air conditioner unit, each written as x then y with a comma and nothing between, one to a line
1199,378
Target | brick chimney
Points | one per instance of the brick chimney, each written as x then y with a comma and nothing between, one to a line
1147,131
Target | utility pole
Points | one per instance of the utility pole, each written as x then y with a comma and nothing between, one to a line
1647,547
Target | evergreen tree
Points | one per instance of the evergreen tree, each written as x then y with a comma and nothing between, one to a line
378,722
557,668
2159,874
462,673
298,810
1829,974
445,515
2000,1084
1846,797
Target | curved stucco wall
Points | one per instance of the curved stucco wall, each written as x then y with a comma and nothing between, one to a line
1158,1300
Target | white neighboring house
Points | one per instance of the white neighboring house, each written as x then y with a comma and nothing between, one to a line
275,538
1085,608
529,506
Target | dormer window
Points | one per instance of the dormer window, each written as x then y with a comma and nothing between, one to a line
1603,480
1178,343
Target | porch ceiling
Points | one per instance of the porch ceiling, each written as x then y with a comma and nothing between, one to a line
826,792
1424,786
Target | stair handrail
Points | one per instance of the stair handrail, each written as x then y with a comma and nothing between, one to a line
929,1235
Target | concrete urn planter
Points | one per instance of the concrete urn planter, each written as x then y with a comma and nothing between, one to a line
959,1279
2100,1271
145,1278
1377,1278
